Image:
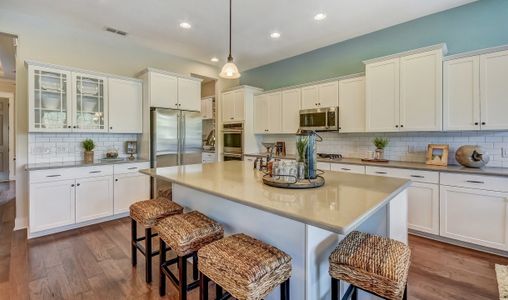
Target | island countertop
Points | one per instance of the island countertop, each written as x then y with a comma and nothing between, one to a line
344,202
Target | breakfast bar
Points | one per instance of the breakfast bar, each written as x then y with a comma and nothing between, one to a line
307,224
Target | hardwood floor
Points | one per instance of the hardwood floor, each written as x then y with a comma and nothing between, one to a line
94,263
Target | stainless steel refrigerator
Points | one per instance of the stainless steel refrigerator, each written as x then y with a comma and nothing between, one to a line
176,139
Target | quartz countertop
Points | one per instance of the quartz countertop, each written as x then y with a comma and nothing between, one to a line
489,171
77,164
344,202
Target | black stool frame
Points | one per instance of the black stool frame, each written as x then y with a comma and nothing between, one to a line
147,249
352,291
220,295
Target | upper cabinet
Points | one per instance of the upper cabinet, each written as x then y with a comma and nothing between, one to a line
90,111
352,105
207,108
168,90
476,93
233,103
267,113
405,93
125,105
290,113
320,95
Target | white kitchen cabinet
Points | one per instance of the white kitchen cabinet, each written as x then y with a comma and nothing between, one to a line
162,89
494,90
423,207
260,113
382,96
320,95
125,105
291,104
233,106
128,189
90,103
51,205
421,91
475,216
94,198
355,169
207,108
461,103
268,113
189,94
352,105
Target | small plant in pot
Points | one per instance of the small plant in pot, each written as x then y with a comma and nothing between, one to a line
380,144
88,145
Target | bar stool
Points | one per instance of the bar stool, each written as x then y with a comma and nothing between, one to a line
246,268
147,213
374,264
185,234
165,192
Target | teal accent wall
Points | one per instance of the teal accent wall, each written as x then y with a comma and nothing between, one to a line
477,25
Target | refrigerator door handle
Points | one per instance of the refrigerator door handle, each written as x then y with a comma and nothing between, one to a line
184,134
178,133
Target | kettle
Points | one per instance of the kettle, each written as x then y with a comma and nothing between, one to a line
471,156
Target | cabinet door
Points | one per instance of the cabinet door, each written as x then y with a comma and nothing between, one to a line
189,94
51,205
494,90
90,103
475,216
228,106
421,91
328,94
238,106
125,106
274,112
163,90
461,107
94,198
49,100
382,94
130,188
291,103
207,108
261,113
310,97
352,105
423,207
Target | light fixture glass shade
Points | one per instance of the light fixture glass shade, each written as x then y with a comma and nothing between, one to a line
230,71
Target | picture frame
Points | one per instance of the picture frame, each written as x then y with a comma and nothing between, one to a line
437,154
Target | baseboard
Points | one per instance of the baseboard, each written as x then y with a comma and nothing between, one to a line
20,223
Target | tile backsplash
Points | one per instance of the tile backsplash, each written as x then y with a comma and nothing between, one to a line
60,147
405,146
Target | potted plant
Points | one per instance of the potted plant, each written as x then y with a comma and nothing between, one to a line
88,145
380,144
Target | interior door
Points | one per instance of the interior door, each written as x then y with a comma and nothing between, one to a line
4,138
191,138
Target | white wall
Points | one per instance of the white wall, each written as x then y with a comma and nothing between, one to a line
46,41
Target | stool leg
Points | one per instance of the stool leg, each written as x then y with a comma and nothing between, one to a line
203,287
354,295
195,271
284,290
148,254
218,291
162,276
404,297
134,236
335,289
182,277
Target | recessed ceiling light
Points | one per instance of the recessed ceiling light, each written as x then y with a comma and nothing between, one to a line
214,59
275,35
185,25
320,17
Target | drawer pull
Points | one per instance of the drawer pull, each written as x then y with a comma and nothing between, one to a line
475,181
132,168
95,172
417,176
56,175
380,172
346,169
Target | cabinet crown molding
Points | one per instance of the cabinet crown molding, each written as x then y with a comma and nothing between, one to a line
441,46
186,76
476,52
240,87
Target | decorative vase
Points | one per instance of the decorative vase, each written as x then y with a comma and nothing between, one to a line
88,157
472,156
380,154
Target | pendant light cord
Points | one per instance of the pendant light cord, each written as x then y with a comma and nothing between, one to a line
230,58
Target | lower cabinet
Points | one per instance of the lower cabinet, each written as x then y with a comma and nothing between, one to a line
423,207
94,198
130,188
474,216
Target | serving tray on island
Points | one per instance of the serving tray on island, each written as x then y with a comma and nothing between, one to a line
279,182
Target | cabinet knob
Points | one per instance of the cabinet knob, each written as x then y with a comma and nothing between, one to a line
69,126
483,123
116,179
476,123
401,125
72,185
78,184
111,127
396,126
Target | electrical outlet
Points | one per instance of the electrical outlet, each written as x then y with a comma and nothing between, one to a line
504,152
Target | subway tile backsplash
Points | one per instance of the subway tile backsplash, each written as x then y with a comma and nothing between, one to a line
61,147
405,146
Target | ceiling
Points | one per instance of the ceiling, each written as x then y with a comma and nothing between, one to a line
7,57
155,23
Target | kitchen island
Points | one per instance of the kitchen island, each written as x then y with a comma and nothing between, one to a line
306,224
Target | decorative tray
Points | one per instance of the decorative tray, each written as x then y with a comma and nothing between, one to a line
293,183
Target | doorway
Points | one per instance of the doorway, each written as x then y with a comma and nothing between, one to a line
4,138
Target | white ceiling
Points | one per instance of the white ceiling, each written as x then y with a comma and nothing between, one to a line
154,23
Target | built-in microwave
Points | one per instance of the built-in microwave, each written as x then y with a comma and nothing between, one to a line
232,134
320,119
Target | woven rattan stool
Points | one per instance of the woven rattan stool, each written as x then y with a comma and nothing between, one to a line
165,192
374,264
244,267
147,213
185,234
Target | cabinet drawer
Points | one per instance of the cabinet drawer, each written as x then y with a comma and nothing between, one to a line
323,166
357,169
414,175
130,168
93,171
492,183
51,175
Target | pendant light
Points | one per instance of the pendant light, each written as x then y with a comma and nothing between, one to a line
230,70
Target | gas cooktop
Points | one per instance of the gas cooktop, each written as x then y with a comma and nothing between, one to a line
330,155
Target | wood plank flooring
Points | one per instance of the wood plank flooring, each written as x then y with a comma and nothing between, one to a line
94,263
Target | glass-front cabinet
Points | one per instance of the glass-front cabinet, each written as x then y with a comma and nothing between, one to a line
90,109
